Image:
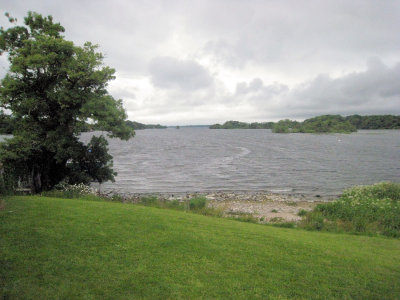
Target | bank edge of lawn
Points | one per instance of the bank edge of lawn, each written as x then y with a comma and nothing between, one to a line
69,248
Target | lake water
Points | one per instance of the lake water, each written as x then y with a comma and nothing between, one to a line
204,160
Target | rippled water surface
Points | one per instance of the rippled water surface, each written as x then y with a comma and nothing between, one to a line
200,160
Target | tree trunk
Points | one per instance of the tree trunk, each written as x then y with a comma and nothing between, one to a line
36,181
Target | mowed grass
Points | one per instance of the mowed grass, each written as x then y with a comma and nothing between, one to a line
74,249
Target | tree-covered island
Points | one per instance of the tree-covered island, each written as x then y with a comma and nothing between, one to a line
138,126
242,125
320,124
375,121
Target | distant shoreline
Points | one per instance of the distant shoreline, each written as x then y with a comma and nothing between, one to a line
320,124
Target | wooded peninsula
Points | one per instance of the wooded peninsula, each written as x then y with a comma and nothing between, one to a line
320,124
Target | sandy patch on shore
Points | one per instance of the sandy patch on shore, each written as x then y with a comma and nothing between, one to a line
267,210
265,206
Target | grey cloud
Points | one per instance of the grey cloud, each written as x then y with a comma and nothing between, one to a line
257,88
244,88
378,84
304,36
300,37
171,73
129,33
226,53
372,91
118,93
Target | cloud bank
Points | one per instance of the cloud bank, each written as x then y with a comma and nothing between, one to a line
202,62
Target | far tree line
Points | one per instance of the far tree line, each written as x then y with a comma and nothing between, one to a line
324,123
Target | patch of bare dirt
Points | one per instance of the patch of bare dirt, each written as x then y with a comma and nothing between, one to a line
266,206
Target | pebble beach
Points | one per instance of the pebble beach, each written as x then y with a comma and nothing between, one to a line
262,205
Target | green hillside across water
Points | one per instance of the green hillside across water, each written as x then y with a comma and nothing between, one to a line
74,249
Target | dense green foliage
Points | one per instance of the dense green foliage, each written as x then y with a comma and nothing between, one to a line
52,89
6,123
74,249
375,121
327,123
285,126
320,124
242,125
364,209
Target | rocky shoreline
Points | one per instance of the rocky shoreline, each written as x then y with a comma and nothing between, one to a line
269,207
266,206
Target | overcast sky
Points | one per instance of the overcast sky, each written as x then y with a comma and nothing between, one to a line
208,61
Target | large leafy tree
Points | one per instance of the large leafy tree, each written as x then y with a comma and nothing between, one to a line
52,89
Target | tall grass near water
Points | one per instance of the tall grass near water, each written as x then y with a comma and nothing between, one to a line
197,204
373,209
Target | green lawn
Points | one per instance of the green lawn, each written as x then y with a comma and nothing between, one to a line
66,248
